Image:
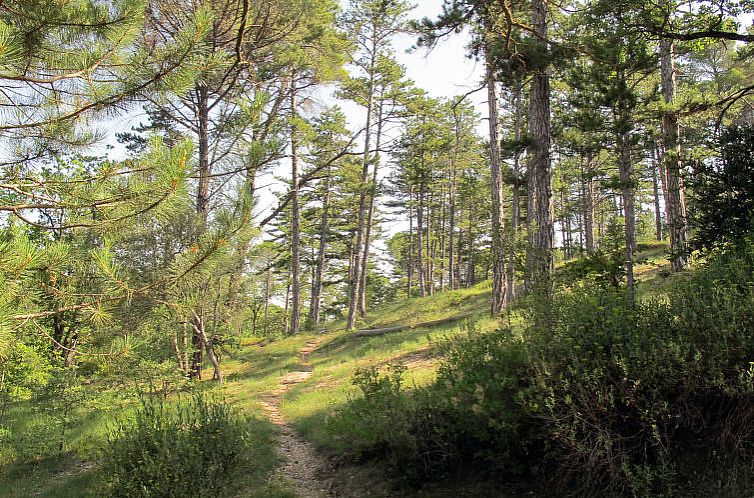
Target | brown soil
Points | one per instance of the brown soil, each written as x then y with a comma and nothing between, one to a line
307,473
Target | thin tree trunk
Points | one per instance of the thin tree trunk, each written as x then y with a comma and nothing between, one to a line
286,321
516,197
204,342
563,234
354,288
452,281
459,256
202,197
419,242
587,180
471,263
656,194
676,205
410,242
442,241
499,294
429,274
314,313
295,317
627,191
370,217
267,292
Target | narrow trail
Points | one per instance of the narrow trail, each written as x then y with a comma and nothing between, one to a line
304,469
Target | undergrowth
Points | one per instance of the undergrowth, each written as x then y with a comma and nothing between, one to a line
603,396
193,448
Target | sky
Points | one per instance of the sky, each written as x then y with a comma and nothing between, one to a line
445,71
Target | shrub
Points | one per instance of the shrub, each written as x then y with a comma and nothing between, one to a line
629,389
611,397
403,430
194,448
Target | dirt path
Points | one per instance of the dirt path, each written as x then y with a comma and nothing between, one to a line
307,473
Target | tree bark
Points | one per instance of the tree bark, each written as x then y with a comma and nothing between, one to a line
452,282
295,316
539,255
267,292
587,180
429,274
314,308
656,194
419,242
410,268
198,324
370,217
516,197
202,197
499,294
625,167
676,206
354,288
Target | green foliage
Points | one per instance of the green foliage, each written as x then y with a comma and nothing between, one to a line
613,397
195,448
722,198
405,431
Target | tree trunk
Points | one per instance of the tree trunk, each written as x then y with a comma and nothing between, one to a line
410,268
499,294
202,196
675,202
354,288
204,342
314,313
516,197
656,194
429,274
267,292
625,167
471,263
452,282
539,254
286,321
370,218
442,242
459,256
295,222
196,341
587,181
419,242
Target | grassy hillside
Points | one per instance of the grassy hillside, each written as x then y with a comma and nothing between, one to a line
254,372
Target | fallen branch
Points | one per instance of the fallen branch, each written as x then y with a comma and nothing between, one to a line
399,328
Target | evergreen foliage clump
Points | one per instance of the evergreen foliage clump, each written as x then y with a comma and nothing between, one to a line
723,190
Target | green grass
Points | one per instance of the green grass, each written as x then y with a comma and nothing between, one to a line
31,465
255,371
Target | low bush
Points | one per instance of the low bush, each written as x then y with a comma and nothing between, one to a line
386,422
193,448
611,397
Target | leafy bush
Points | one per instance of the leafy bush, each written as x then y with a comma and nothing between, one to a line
404,430
194,448
628,389
612,397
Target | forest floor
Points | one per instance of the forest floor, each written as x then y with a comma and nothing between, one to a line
303,379
290,386
304,471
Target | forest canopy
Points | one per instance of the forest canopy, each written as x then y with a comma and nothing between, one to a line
279,173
